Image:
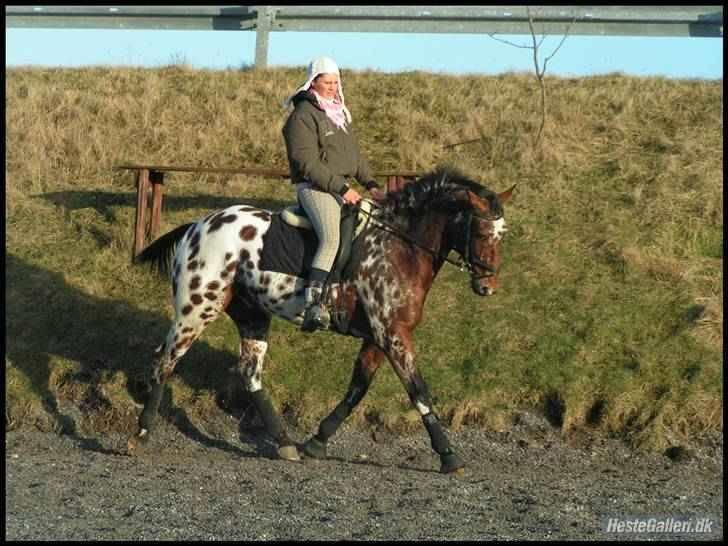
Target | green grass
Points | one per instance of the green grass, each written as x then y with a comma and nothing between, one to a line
608,321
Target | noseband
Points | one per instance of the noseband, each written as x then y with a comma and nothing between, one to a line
469,261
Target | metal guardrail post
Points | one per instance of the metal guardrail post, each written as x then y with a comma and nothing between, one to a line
263,25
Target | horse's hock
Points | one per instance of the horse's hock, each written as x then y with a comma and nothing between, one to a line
150,183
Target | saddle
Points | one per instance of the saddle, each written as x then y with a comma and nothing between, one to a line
290,243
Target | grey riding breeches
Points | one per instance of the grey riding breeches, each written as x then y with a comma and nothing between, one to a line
324,211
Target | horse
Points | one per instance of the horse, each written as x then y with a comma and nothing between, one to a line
215,265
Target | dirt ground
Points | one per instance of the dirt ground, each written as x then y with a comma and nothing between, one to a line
524,484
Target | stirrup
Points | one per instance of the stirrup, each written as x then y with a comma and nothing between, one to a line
315,318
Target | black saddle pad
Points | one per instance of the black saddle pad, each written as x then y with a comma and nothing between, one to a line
287,249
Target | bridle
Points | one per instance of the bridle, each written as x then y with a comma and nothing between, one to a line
467,260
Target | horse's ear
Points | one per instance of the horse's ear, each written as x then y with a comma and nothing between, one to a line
505,196
476,202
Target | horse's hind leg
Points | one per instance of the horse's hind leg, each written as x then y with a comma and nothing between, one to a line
160,373
367,363
161,370
253,325
185,329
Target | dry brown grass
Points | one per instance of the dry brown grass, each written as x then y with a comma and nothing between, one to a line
612,286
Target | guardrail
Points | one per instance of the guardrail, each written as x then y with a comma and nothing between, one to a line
648,21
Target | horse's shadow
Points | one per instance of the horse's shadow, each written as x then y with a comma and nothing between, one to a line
103,336
104,202
382,466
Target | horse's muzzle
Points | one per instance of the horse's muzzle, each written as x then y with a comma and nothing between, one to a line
481,290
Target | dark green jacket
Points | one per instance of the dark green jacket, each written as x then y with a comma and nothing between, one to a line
318,151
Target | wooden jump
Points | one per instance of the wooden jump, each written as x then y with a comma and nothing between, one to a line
150,182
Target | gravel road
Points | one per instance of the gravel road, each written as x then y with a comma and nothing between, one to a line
524,484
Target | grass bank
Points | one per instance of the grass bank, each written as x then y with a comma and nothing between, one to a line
609,320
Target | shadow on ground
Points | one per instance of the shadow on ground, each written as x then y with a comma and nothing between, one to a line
98,337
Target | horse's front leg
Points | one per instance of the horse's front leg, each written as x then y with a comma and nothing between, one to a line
400,350
367,363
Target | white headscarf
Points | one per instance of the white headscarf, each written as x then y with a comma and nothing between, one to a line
321,65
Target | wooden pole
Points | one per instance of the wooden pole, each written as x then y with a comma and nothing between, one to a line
157,180
391,184
141,211
397,182
150,192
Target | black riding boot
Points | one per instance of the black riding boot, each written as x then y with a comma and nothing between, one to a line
316,316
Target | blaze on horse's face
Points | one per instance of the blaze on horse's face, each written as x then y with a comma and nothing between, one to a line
487,228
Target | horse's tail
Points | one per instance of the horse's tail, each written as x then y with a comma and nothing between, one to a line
161,252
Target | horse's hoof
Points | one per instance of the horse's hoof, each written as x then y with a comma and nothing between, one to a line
288,453
314,448
135,443
451,463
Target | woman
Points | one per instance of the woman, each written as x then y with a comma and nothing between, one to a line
322,154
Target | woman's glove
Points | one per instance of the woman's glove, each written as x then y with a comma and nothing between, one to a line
375,190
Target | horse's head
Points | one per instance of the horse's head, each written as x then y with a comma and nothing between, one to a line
473,221
481,228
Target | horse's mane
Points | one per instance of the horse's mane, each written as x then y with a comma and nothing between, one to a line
432,191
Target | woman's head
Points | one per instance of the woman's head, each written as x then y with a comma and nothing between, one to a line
326,85
324,78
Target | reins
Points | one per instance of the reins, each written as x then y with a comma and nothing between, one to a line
466,261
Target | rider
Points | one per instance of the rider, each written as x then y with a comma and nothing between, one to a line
322,154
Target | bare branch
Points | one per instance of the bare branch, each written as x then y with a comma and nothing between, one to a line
509,43
540,70
446,146
535,45
539,75
563,39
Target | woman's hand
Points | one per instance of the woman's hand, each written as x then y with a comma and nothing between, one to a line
375,190
352,196
377,194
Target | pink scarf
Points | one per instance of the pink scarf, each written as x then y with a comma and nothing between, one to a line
334,110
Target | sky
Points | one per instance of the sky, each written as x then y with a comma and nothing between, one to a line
386,52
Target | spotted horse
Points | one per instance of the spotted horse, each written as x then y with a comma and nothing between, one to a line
404,242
